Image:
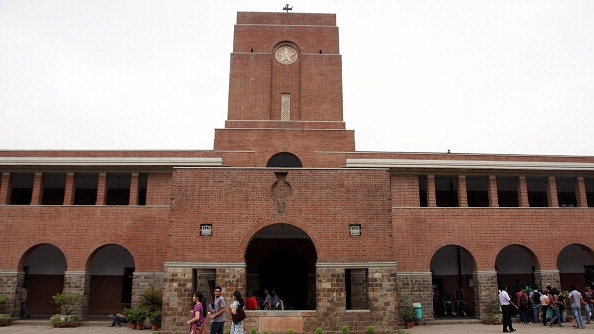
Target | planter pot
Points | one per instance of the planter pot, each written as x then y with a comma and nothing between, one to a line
408,325
155,327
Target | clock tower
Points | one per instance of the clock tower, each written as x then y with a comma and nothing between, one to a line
285,92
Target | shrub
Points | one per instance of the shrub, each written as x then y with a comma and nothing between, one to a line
151,299
345,330
319,330
253,331
370,330
290,331
68,302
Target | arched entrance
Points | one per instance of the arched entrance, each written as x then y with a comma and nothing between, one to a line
515,266
284,159
452,267
43,266
111,268
575,266
282,257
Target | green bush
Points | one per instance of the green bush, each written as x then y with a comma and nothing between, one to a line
151,300
253,331
68,302
345,330
370,330
290,331
319,330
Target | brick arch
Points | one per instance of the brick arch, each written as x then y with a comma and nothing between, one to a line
497,251
91,256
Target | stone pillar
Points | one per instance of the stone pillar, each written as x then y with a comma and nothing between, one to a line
330,297
486,291
543,278
462,196
37,192
178,280
382,286
78,283
552,192
580,192
418,287
101,189
493,192
523,192
431,200
8,287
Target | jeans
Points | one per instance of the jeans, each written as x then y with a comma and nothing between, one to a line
577,314
217,327
588,308
556,316
535,311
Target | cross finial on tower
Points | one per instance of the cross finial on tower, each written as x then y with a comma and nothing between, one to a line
288,8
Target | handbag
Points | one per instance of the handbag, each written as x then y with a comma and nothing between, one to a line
239,315
198,329
549,314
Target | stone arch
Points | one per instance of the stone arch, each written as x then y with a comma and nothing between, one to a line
111,269
284,159
283,257
453,266
43,267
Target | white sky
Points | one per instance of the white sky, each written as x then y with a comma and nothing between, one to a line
471,76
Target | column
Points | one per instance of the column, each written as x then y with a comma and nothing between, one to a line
69,189
101,189
133,190
37,189
493,195
462,195
78,283
431,200
543,278
552,192
580,192
523,192
4,185
486,299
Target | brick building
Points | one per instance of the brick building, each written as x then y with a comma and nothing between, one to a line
285,201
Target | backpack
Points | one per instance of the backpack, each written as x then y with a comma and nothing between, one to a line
524,299
536,297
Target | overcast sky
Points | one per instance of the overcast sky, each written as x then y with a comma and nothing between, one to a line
418,76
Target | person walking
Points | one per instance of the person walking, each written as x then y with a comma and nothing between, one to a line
218,313
575,302
588,296
236,328
196,323
506,304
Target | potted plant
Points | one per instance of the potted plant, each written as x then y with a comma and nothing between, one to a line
151,301
494,312
406,312
67,304
5,319
155,318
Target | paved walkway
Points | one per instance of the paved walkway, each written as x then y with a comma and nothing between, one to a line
99,327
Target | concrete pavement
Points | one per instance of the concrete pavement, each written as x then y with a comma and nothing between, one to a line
100,327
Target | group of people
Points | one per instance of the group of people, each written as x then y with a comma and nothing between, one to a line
546,306
443,305
215,312
270,301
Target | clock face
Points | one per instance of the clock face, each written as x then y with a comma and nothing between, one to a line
286,55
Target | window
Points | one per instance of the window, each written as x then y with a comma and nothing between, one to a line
477,191
21,188
566,195
356,289
54,185
85,188
537,191
285,107
284,159
507,191
446,191
118,189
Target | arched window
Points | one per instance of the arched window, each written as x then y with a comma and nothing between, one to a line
284,159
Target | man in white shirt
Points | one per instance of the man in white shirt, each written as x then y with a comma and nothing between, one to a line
506,304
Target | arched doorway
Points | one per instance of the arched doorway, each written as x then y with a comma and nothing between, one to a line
282,257
515,266
575,266
43,266
452,268
111,268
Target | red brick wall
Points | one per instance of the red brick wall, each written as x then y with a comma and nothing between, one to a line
237,202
